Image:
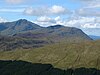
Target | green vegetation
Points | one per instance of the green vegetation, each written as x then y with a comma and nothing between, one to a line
61,55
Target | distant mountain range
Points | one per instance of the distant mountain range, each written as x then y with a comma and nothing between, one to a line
94,37
25,34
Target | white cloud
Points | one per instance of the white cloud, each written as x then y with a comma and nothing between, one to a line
44,11
2,20
6,10
90,8
47,21
91,25
74,21
59,20
58,10
88,12
14,1
84,22
90,2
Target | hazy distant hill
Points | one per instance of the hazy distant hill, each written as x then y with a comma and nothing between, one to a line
94,37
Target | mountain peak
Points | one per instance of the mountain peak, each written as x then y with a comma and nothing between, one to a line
22,20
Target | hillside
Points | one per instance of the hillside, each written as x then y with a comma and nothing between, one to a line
13,43
62,55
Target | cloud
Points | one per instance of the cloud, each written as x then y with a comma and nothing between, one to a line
44,11
91,3
84,22
2,20
91,25
9,10
14,1
58,10
90,8
60,21
47,21
88,12
74,21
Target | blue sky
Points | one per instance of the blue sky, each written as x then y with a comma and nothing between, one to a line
83,14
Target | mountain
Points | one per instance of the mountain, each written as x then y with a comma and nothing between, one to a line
25,34
94,37
11,28
57,31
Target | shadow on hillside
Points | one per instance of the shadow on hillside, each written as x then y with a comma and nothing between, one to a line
26,68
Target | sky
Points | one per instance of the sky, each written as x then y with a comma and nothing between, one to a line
83,14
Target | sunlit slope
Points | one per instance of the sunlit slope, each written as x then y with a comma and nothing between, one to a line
62,55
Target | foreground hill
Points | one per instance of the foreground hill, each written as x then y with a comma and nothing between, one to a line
26,68
62,55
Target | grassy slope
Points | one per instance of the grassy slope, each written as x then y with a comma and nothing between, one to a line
62,55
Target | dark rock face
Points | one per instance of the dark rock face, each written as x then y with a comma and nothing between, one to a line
13,67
